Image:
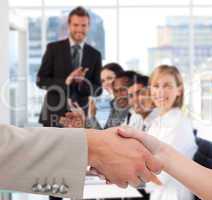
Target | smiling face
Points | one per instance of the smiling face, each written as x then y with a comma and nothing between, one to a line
165,91
78,27
133,94
107,78
139,99
120,92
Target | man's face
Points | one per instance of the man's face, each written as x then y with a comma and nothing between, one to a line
120,92
139,99
78,27
133,94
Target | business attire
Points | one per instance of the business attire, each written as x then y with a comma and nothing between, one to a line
59,60
176,130
115,118
138,122
47,161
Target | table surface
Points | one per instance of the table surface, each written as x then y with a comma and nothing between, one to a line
96,188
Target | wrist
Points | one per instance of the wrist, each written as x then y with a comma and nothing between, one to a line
93,142
165,156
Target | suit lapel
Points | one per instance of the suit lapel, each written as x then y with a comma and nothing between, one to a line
86,55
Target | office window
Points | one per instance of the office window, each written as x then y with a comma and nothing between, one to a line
153,2
25,3
140,34
202,68
80,2
206,99
153,40
202,2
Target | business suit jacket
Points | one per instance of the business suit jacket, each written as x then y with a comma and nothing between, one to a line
55,68
43,155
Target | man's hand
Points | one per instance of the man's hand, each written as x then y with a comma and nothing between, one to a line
91,108
155,146
122,161
74,119
77,75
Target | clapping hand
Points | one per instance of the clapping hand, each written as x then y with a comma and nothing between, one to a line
75,118
76,76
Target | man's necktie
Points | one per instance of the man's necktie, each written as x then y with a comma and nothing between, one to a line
75,56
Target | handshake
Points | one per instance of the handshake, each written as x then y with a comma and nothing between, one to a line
125,156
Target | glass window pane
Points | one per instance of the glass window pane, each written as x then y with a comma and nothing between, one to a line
25,3
202,2
153,2
80,2
102,33
32,21
163,38
202,84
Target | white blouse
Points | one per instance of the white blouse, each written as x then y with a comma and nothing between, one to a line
176,130
138,122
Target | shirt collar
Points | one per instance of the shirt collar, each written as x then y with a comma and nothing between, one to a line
72,43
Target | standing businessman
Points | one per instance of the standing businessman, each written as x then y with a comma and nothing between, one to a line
70,69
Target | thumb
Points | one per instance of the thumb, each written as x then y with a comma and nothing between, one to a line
150,142
85,70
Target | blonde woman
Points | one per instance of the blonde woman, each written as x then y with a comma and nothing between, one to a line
171,127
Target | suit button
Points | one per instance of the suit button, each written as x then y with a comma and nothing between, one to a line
63,189
37,187
47,187
55,188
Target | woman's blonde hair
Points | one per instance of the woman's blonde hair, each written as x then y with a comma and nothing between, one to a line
173,71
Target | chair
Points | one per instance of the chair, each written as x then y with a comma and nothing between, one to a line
203,155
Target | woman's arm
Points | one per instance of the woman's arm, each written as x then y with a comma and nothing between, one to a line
194,176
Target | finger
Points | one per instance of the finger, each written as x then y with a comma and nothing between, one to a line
68,114
79,108
78,69
62,120
153,164
102,177
142,183
89,99
108,182
135,182
76,105
90,102
85,70
126,131
94,171
148,176
150,142
122,184
70,104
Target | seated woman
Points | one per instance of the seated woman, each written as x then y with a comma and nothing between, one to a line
171,127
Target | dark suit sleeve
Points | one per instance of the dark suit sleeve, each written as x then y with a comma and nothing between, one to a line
96,76
84,88
45,76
